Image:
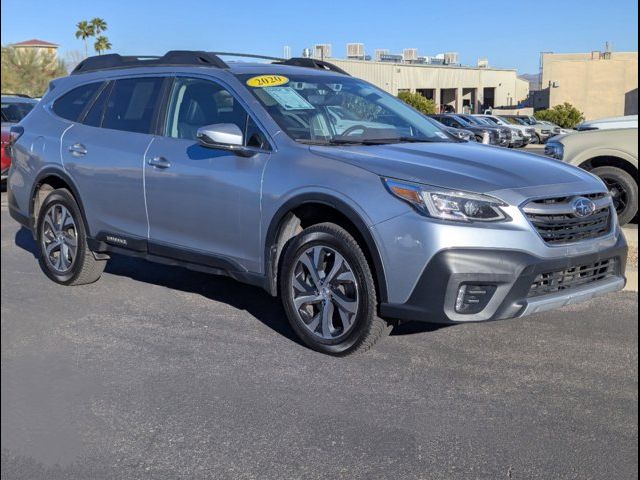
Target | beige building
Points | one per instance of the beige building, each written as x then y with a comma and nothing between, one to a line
460,88
47,48
600,84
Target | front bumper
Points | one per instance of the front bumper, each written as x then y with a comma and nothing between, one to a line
510,274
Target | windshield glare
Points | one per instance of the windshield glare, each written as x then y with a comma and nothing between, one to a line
342,110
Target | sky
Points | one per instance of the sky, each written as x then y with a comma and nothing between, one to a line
511,34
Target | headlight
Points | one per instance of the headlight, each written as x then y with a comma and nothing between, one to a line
554,150
449,204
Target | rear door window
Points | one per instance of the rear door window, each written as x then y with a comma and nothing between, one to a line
132,104
72,104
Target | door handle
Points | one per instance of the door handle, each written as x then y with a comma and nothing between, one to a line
159,162
78,150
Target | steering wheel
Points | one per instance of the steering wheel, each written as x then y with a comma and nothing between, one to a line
354,128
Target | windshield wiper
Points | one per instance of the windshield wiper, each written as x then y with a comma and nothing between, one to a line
383,141
366,141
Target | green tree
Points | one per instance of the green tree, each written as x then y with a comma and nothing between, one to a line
102,44
99,25
29,71
84,31
565,115
418,101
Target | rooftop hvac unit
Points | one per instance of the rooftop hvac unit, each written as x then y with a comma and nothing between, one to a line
483,63
322,50
451,58
355,50
410,54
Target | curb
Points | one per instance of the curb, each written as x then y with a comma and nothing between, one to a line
631,234
632,280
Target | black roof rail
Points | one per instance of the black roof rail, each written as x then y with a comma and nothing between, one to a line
190,58
173,57
312,63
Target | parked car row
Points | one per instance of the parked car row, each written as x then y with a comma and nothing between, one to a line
482,133
493,129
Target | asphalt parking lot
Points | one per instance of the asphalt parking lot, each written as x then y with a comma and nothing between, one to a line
157,372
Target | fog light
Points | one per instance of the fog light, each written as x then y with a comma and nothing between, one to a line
473,298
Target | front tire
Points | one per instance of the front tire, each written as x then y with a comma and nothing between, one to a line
64,254
624,191
328,292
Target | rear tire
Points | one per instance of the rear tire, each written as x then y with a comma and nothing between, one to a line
331,309
624,191
64,254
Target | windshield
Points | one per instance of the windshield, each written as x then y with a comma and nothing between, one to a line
526,121
321,109
516,120
14,112
496,121
481,121
463,121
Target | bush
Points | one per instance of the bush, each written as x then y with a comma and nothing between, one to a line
417,101
565,115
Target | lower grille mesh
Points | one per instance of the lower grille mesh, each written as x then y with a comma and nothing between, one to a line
573,277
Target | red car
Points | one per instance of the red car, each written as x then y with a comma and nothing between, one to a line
14,109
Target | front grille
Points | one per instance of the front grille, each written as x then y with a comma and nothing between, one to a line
557,223
573,277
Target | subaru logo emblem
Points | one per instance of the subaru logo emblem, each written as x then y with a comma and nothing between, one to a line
583,207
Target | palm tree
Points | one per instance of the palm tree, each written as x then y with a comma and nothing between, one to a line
99,25
102,44
85,30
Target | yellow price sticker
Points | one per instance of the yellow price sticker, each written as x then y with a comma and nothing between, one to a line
267,81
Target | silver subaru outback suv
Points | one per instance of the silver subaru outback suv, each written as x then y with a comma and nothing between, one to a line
318,187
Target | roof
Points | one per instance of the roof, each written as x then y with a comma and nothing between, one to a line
35,43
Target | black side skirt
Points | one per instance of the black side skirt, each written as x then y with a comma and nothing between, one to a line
105,243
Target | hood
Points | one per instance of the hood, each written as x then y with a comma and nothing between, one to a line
466,166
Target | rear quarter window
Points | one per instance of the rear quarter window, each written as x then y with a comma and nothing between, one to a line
72,104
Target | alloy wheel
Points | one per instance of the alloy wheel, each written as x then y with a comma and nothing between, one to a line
59,238
324,291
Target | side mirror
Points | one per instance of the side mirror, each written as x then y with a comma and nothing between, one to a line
223,136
